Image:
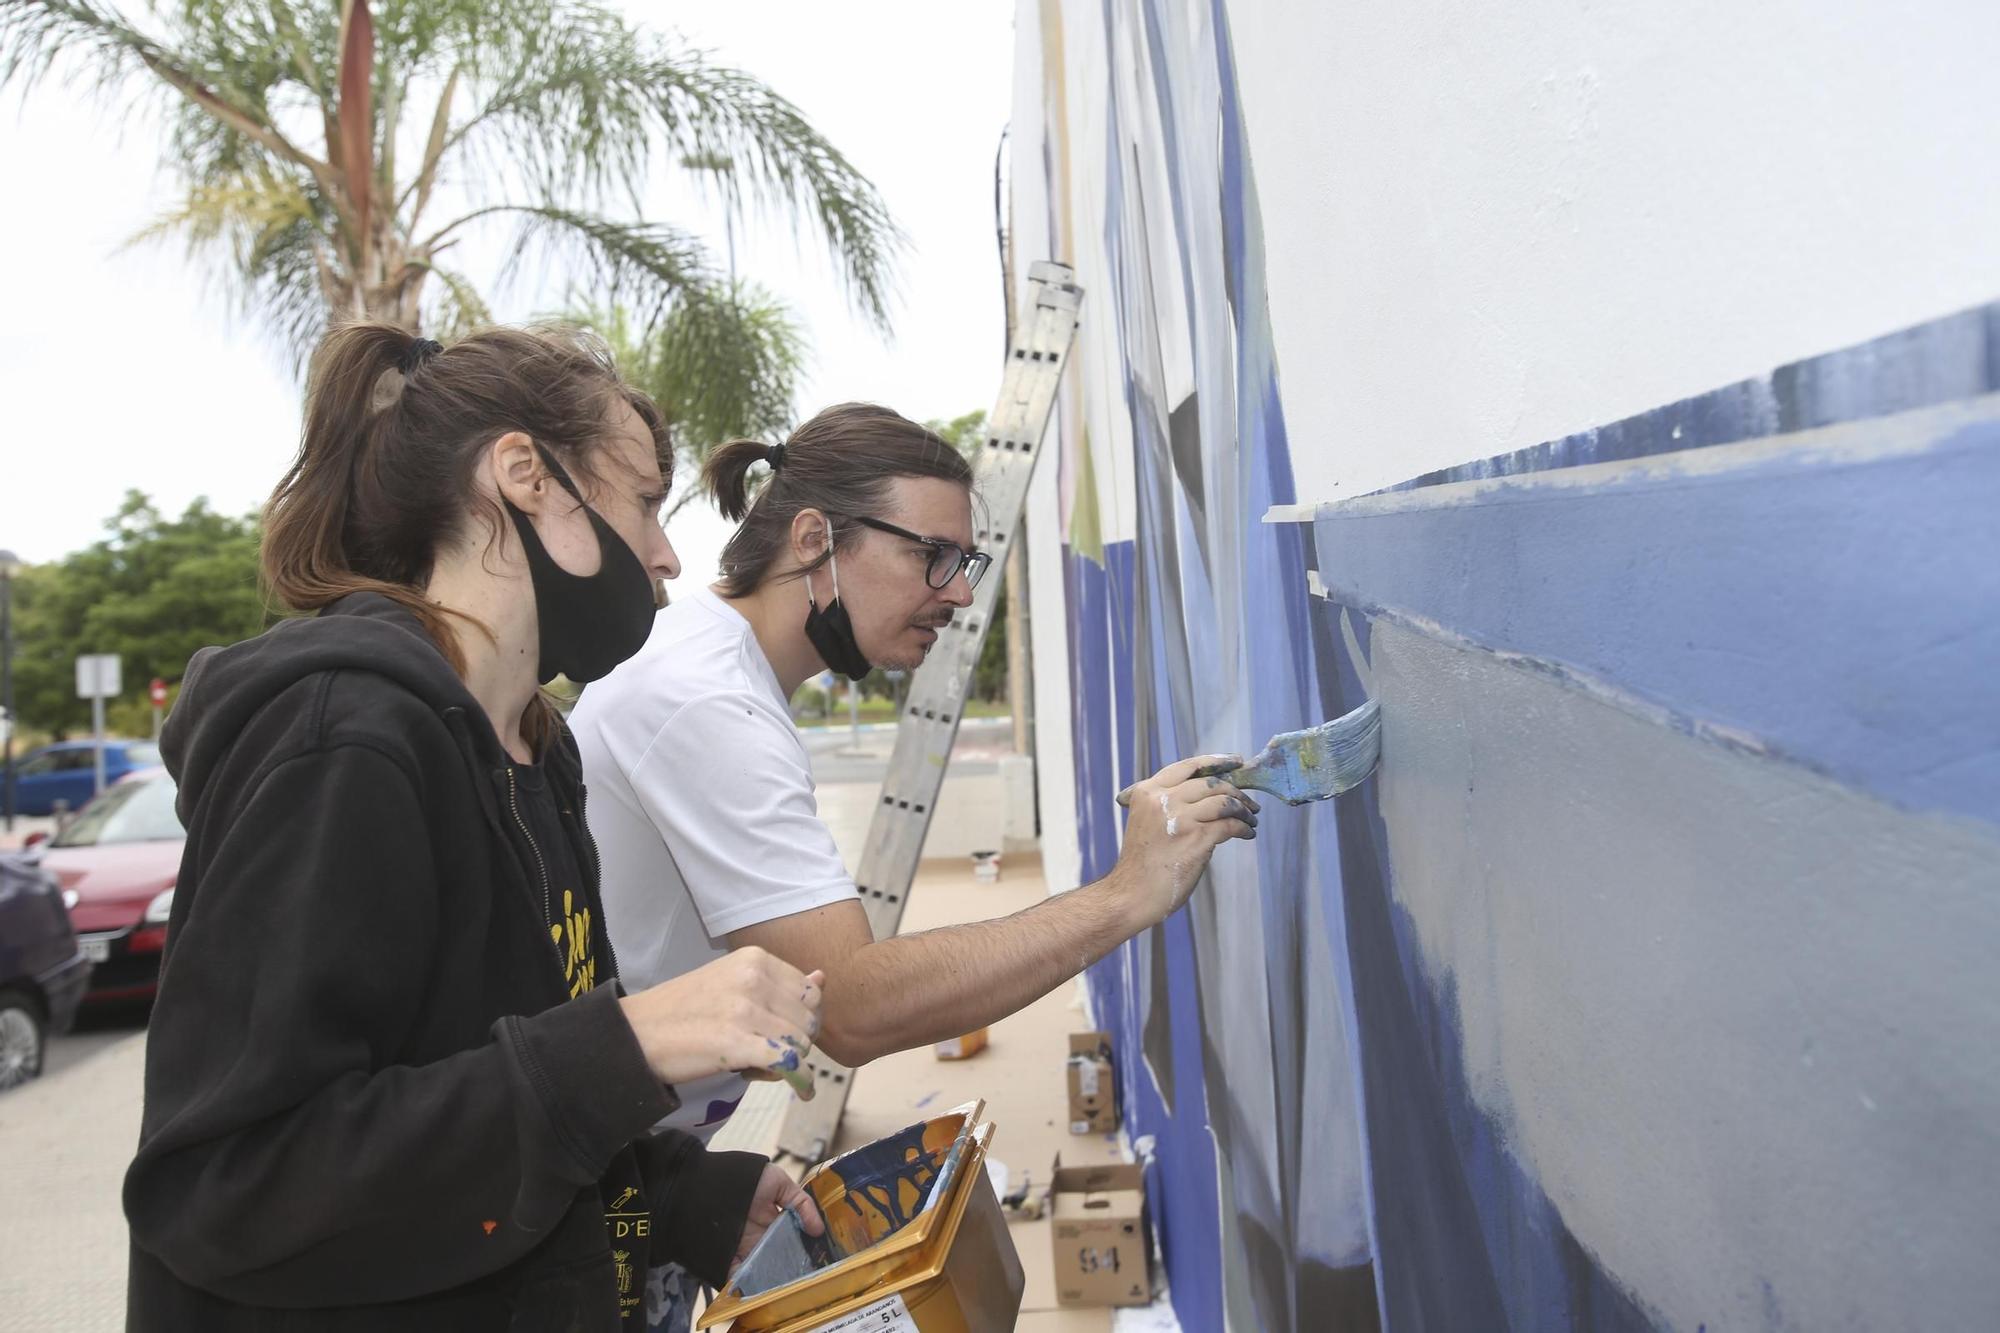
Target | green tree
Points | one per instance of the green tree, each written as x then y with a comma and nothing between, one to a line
152,590
312,142
717,378
967,434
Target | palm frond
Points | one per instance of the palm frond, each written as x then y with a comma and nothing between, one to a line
565,102
32,36
722,365
460,309
582,96
267,236
725,364
209,72
643,265
712,113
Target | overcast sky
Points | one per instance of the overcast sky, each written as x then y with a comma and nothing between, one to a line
125,367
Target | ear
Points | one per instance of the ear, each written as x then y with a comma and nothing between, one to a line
810,530
517,473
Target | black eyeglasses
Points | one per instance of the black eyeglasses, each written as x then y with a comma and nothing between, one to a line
947,558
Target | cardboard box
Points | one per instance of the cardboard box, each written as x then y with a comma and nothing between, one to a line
961,1048
1103,1244
1093,1092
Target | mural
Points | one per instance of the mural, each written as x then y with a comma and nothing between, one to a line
1188,633
1649,984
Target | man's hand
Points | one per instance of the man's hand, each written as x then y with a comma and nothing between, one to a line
775,1193
1178,820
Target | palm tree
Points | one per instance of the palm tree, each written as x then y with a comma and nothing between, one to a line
312,142
719,369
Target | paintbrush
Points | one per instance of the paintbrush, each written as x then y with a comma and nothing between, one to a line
1309,765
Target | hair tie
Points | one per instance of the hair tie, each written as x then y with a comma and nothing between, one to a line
775,456
418,352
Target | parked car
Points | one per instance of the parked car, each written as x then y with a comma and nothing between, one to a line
117,863
42,971
67,772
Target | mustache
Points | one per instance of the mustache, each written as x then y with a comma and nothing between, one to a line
934,622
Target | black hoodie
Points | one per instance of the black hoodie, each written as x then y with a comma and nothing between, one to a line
370,1101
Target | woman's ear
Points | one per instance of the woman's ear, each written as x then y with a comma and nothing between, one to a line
516,471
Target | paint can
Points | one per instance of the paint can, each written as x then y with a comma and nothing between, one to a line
986,867
919,1243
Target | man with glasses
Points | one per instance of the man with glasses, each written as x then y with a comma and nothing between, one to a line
855,551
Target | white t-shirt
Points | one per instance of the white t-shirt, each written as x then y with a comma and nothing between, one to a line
701,804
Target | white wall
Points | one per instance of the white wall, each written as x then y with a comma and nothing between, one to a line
1488,225
1028,210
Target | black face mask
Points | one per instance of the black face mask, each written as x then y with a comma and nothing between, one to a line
832,634
589,623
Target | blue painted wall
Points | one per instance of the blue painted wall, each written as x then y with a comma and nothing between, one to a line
1648,985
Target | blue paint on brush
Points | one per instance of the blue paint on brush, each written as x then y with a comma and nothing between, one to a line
1319,762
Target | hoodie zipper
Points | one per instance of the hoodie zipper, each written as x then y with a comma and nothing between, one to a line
548,909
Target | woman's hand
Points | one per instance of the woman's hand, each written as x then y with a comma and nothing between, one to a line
775,1193
751,1013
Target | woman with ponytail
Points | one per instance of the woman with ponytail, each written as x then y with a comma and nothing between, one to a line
393,1080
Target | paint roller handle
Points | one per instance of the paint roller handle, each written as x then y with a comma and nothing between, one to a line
1222,766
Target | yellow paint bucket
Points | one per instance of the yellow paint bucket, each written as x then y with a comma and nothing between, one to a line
926,1245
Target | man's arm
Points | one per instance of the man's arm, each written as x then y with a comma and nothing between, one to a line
894,994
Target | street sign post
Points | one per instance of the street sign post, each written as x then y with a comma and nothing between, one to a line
159,695
97,679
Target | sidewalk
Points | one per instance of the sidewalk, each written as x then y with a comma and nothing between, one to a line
1021,1075
65,1140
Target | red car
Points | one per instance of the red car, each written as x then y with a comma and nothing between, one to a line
117,862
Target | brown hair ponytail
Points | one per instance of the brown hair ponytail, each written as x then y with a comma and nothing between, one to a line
727,475
840,462
394,428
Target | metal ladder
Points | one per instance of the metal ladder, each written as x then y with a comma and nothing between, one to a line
938,688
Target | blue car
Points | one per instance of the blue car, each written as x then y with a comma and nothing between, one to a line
67,772
42,971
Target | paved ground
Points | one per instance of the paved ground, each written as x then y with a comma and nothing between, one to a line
64,1143
93,1034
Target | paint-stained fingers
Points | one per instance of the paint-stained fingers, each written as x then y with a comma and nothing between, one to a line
1202,765
807,1208
1196,790
1219,831
1224,806
1224,785
780,1054
799,1080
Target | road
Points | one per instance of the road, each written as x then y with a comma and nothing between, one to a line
92,1034
835,757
